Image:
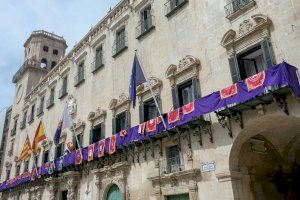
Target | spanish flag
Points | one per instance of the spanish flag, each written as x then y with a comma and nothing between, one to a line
38,137
26,149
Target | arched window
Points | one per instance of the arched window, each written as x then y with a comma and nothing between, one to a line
114,193
44,63
53,64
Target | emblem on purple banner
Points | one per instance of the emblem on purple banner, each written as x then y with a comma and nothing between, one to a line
101,145
78,157
173,116
255,81
123,133
188,108
151,125
34,174
91,152
229,91
60,163
112,144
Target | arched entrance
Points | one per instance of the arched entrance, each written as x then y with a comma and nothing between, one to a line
267,156
114,193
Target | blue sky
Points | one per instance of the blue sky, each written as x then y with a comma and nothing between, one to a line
69,18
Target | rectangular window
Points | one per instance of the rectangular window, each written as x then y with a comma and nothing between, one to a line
7,174
178,197
63,90
97,134
41,107
46,156
55,51
18,167
59,150
45,48
173,159
26,165
185,93
173,5
80,74
36,160
150,110
50,102
80,140
14,130
120,122
23,123
99,56
10,152
32,111
145,23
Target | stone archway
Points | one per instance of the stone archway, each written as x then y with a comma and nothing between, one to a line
266,156
114,193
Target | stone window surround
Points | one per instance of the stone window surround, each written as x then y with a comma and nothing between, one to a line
97,117
251,32
143,91
98,43
120,105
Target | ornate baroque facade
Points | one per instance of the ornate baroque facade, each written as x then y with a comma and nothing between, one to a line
188,49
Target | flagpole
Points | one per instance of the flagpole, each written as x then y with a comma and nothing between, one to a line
35,165
152,93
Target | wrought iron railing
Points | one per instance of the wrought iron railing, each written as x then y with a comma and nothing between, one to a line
236,5
173,5
62,92
79,78
144,26
119,45
97,63
171,165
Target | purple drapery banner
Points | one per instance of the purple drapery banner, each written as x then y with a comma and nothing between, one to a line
278,76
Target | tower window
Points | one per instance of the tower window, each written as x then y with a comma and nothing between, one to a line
46,48
44,63
53,64
55,52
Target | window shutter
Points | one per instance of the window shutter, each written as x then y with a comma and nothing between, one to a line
266,49
175,97
159,104
102,136
74,142
196,87
114,125
234,69
141,112
91,135
127,117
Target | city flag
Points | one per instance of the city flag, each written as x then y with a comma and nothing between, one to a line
151,125
39,136
26,149
229,91
101,145
91,152
112,144
173,116
137,78
78,157
65,122
188,108
255,81
123,133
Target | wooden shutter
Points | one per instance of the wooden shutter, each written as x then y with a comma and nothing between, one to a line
196,87
266,49
159,104
114,125
141,113
175,97
102,136
75,142
234,69
91,135
127,118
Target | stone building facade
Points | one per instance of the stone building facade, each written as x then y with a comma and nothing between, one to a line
188,49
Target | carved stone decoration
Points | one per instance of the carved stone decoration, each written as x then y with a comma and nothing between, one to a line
187,62
189,154
245,27
72,178
228,37
116,103
52,186
72,105
79,125
143,90
98,114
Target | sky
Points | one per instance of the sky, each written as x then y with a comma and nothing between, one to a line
71,19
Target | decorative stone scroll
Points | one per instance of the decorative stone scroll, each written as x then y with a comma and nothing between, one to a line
143,90
97,116
72,179
79,126
120,105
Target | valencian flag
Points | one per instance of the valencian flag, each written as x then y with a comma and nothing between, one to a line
26,149
137,78
39,136
65,122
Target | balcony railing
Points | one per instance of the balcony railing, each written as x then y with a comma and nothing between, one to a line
50,102
171,165
119,46
62,92
79,78
236,5
144,27
172,5
23,124
97,64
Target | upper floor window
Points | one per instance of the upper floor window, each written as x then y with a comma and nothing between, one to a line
44,63
98,63
18,168
14,130
237,7
55,51
40,109
10,152
50,102
97,133
78,142
148,110
172,5
36,160
23,122
120,43
26,165
250,62
145,23
45,48
31,116
79,78
173,159
63,91
121,122
46,156
59,150
7,174
53,64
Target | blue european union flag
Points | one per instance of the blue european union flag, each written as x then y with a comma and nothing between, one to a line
137,78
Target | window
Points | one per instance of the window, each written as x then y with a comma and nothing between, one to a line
44,63
146,22
41,107
173,159
98,60
59,151
237,7
121,122
23,123
36,160
31,116
55,51
18,168
120,42
80,141
7,174
148,110
46,156
173,5
14,130
63,91
97,133
10,152
185,93
53,64
50,102
26,165
251,62
80,75
45,48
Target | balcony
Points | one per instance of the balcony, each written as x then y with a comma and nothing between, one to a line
237,7
62,92
13,131
40,111
97,64
171,165
50,102
173,5
144,27
23,124
30,118
79,78
119,46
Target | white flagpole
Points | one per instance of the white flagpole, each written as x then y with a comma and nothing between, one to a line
152,93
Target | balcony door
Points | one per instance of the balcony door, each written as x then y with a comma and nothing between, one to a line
114,193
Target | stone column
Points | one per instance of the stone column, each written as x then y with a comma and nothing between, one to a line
72,180
97,181
38,192
52,187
